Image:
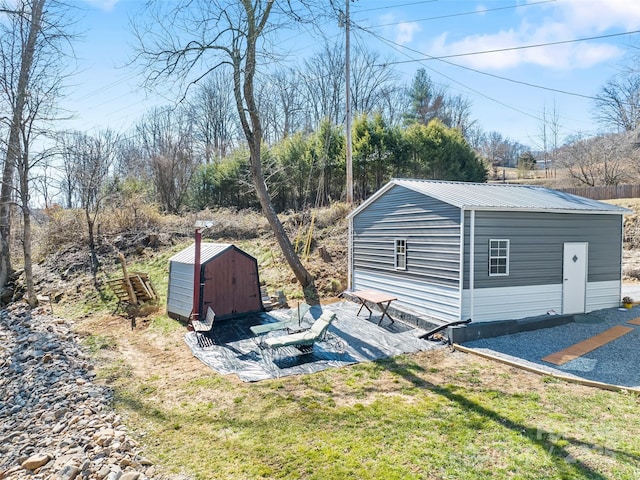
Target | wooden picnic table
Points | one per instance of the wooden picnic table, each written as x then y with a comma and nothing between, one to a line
381,299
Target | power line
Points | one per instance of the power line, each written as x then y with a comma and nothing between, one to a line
520,82
397,47
402,5
101,89
521,47
528,84
394,45
451,15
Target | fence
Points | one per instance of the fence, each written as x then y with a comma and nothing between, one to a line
605,192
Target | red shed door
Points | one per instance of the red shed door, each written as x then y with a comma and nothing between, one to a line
231,284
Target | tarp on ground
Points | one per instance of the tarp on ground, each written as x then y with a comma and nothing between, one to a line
352,339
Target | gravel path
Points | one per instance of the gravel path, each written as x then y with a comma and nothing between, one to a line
614,363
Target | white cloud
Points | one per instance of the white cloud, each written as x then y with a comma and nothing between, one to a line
556,22
402,32
106,5
599,15
405,32
561,56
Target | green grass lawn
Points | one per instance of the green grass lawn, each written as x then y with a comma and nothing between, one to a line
422,416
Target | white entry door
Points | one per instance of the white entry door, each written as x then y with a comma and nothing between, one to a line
574,274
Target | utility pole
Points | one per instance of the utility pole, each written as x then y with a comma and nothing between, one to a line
348,108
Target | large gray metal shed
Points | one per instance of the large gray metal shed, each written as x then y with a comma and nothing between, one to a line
455,251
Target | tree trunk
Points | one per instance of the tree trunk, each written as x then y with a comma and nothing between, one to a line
252,128
95,264
13,145
28,266
23,172
301,273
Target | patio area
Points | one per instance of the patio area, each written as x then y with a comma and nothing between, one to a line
351,339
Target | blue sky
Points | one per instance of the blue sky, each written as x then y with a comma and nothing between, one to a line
105,92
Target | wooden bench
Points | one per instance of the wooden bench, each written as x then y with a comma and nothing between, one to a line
202,327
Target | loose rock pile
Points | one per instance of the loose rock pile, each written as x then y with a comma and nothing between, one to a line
55,423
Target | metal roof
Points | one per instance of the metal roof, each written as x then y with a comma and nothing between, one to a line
499,196
207,252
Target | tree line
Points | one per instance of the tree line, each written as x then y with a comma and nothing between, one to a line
302,170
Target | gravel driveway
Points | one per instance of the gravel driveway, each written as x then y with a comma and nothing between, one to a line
615,363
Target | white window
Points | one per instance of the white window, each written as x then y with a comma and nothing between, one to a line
498,257
401,254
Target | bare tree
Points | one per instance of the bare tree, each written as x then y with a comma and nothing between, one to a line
476,138
596,161
498,151
323,81
373,85
44,185
283,105
166,141
33,37
553,122
25,163
93,158
544,139
370,80
215,128
39,107
130,160
393,103
66,167
457,114
16,80
270,113
494,151
199,37
617,105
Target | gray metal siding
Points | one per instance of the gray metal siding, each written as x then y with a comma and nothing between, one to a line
436,301
536,246
180,290
430,227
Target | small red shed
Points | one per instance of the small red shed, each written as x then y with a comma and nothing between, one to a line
229,282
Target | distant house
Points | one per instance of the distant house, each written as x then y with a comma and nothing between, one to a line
455,251
230,284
